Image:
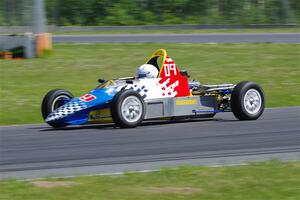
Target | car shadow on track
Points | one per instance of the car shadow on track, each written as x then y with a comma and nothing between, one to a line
112,126
79,127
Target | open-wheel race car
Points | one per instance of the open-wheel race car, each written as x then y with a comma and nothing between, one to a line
158,91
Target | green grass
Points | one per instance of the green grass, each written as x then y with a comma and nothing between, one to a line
186,31
257,181
76,67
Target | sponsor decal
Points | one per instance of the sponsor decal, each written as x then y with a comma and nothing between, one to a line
186,102
87,98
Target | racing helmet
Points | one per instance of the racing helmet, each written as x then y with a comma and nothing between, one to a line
147,71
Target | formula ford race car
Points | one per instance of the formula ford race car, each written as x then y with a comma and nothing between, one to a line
167,95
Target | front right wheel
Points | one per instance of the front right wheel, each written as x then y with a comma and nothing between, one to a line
247,101
128,109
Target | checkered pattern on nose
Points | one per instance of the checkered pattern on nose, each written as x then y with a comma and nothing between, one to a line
65,110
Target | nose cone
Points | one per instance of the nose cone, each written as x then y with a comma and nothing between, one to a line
93,99
66,110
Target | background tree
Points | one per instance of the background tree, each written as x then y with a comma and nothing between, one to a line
140,12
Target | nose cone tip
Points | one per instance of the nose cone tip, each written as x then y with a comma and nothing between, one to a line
66,110
56,115
51,118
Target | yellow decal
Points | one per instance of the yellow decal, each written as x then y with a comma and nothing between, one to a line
186,102
100,116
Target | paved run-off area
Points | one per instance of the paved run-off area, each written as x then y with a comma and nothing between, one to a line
181,38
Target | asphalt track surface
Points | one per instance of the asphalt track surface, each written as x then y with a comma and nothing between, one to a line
34,151
181,38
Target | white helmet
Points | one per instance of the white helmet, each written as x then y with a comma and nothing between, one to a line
147,71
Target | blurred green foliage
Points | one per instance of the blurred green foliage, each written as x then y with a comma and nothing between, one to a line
143,12
134,12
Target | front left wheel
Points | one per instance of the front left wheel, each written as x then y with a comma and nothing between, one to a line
53,100
128,109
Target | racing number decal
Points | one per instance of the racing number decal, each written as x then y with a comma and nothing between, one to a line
88,97
170,68
172,80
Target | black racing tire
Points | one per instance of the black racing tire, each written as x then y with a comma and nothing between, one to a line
247,101
51,102
131,103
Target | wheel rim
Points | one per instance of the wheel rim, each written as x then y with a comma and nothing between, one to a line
131,109
252,101
59,101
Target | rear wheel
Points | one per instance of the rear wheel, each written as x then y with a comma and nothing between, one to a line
53,100
247,101
128,109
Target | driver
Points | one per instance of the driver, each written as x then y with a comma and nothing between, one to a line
147,71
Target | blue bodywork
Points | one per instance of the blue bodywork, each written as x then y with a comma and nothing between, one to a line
76,111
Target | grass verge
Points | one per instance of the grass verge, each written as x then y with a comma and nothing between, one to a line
76,67
266,180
